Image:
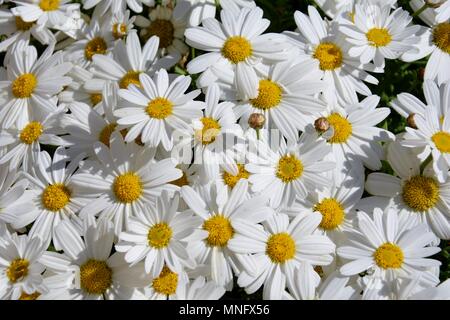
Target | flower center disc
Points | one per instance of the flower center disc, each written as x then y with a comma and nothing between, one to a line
105,135
164,30
389,256
329,55
95,98
23,25
131,77
119,30
219,231
209,132
166,283
49,5
280,247
289,168
55,197
332,213
127,187
342,128
17,270
420,193
159,108
24,85
31,132
441,36
159,235
95,46
236,49
442,141
269,95
378,37
95,276
231,180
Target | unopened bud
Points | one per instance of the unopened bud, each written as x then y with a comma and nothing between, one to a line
256,121
321,124
434,4
411,122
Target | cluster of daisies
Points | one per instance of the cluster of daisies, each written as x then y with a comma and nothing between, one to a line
176,150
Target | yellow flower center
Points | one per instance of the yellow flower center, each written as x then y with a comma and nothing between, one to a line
231,180
332,213
441,140
166,283
95,276
17,270
26,296
182,181
159,108
441,36
379,37
388,256
280,247
23,25
420,193
95,46
105,134
341,126
209,132
289,168
55,197
269,95
49,5
31,132
159,235
131,77
119,30
24,85
237,49
219,231
95,98
329,55
164,30
127,187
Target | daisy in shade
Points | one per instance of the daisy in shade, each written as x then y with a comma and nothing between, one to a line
433,132
20,269
59,14
221,212
55,198
378,34
172,286
285,97
334,287
417,194
93,40
291,171
318,40
14,199
120,24
87,270
22,143
18,30
125,178
335,202
31,85
238,44
157,108
127,63
388,246
85,126
169,25
211,135
156,236
353,135
203,9
434,42
278,248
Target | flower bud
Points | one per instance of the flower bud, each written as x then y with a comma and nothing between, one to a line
321,124
410,121
256,120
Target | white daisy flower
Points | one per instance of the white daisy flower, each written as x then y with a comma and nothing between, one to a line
203,9
22,143
291,171
433,131
169,25
87,270
237,43
222,213
285,97
156,235
378,34
127,63
20,269
278,249
320,41
388,246
334,287
334,8
417,194
353,135
61,14
31,85
125,178
158,108
120,24
55,197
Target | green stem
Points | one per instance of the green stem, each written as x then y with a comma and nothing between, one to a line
425,163
192,53
422,9
257,134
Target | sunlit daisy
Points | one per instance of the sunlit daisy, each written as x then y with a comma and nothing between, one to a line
238,44
125,178
221,213
278,249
